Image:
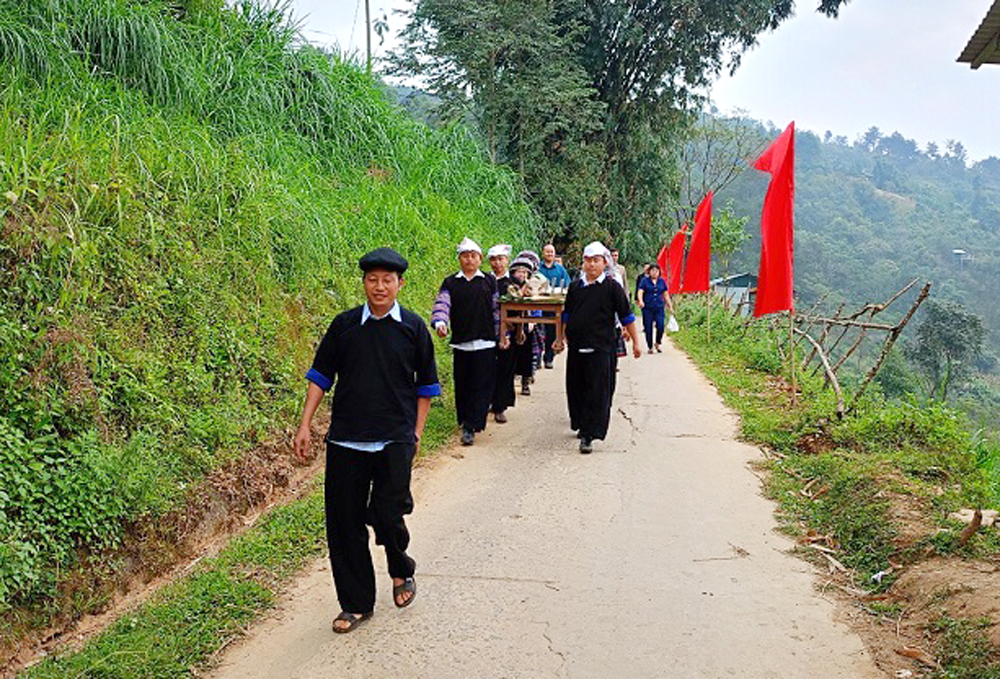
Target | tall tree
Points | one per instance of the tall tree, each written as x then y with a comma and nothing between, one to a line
948,342
507,68
588,99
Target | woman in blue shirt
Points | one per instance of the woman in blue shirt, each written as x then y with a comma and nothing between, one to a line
653,298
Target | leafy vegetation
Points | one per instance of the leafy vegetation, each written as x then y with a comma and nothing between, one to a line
872,215
590,102
185,191
873,491
185,623
885,451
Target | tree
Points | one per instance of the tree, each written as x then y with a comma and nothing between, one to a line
948,342
728,235
716,151
588,100
507,67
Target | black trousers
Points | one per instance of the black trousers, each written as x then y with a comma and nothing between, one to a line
362,489
475,377
503,390
589,386
550,337
524,354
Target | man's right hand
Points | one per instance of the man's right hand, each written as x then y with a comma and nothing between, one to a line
302,443
442,329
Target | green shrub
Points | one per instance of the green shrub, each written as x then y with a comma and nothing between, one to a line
183,199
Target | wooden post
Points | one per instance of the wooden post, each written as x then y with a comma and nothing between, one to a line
368,34
708,316
791,353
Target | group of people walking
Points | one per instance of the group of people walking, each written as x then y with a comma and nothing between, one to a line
484,364
379,360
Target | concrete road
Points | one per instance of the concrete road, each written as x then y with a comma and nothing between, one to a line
655,556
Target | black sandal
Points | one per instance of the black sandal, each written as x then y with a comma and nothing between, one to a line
354,619
409,585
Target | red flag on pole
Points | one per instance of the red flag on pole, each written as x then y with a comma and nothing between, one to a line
696,269
662,260
776,276
675,261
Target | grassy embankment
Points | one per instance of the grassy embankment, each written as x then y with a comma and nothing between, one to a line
185,193
875,489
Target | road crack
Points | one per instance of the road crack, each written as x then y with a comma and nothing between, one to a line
552,649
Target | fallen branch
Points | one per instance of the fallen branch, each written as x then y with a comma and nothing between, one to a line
834,564
822,338
844,322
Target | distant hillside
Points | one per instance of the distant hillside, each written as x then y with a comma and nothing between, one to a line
874,214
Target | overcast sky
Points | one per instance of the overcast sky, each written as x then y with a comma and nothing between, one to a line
887,63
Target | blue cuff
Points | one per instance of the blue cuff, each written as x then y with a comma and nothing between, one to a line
565,317
429,390
628,319
319,379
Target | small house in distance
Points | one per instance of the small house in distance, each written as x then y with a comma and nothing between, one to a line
737,289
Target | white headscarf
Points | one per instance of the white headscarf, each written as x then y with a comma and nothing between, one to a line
499,251
469,245
597,249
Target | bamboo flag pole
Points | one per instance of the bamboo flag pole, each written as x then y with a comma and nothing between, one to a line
791,353
708,316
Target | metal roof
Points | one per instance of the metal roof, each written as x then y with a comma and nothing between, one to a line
984,45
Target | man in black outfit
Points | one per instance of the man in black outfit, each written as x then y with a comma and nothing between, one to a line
503,391
467,302
380,356
592,303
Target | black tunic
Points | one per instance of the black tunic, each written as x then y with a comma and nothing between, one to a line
380,369
472,305
590,313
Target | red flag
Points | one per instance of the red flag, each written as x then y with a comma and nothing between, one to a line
696,269
675,260
661,259
776,275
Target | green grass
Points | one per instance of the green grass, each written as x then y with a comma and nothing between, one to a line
964,650
852,480
181,627
183,199
885,451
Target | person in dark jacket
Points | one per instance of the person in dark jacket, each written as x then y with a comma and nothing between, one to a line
466,306
593,302
379,360
527,338
503,391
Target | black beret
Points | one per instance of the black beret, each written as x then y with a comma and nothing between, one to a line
383,258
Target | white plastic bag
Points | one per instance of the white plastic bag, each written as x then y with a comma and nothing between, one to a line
672,324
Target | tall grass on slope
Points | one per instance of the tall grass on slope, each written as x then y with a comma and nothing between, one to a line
179,219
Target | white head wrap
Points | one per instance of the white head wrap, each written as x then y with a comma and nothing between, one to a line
594,249
469,245
499,251
597,249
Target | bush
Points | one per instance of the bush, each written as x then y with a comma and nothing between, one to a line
183,199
